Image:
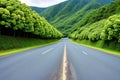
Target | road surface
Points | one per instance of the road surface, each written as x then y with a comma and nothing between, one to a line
64,59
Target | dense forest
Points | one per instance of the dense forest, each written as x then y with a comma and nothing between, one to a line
66,15
103,26
104,19
90,20
18,19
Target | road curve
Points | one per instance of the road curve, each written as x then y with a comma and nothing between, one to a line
46,63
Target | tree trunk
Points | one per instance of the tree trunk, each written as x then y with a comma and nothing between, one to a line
14,33
0,30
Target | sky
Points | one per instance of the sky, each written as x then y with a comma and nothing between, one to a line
42,3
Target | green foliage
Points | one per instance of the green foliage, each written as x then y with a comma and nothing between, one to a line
103,26
8,42
100,25
37,9
112,28
108,29
17,19
106,45
89,32
68,16
101,13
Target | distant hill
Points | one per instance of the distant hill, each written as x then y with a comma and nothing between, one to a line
65,15
37,9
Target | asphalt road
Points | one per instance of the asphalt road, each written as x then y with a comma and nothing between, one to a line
44,63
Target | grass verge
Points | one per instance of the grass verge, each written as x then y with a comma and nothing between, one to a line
11,45
96,46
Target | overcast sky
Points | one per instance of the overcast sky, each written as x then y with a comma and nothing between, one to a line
41,3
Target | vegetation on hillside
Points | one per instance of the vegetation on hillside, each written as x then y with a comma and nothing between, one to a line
103,26
88,20
97,23
99,14
37,9
17,19
80,19
66,15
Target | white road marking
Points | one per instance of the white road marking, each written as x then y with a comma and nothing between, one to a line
64,64
45,52
84,52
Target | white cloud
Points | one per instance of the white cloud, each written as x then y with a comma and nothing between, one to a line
42,3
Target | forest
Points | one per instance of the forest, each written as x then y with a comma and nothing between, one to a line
18,19
91,21
103,26
65,16
22,27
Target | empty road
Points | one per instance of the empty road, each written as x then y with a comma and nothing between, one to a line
60,61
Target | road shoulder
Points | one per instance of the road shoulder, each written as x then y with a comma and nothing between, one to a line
17,50
111,52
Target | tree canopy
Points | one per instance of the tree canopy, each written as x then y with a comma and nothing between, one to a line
18,19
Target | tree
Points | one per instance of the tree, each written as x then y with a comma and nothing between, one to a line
18,19
112,28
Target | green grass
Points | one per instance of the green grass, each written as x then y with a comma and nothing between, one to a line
11,45
97,45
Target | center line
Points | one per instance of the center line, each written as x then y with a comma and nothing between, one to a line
64,64
47,51
84,52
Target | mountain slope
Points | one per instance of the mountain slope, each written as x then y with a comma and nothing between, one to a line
68,23
65,15
101,29
37,9
101,15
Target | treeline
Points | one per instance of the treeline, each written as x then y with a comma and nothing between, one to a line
65,16
94,24
107,29
17,19
103,26
101,13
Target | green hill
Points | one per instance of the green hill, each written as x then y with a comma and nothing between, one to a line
101,15
37,9
91,21
66,15
103,26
